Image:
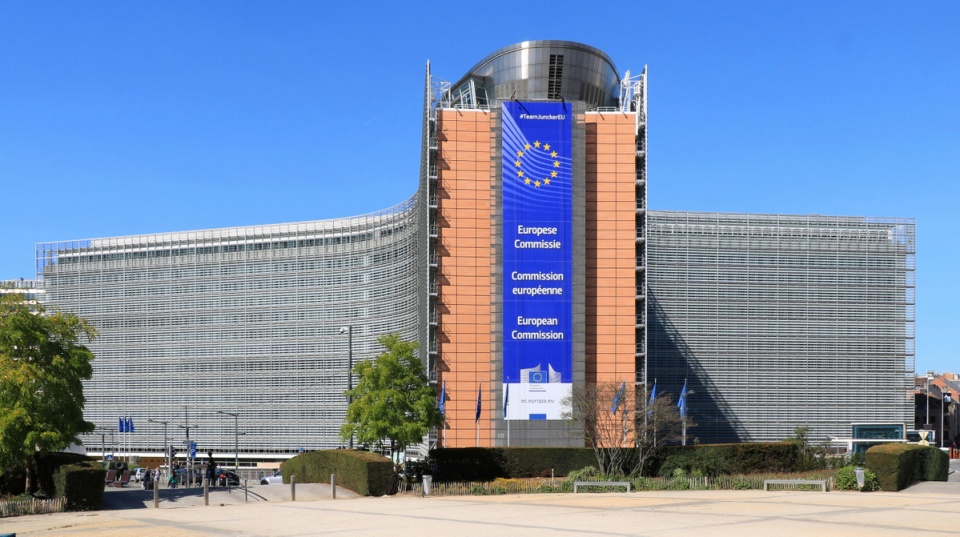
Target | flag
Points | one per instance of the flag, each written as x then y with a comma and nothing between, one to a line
682,403
130,428
653,397
479,399
617,397
122,425
506,399
443,396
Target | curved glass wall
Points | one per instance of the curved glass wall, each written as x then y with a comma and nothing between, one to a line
540,70
242,320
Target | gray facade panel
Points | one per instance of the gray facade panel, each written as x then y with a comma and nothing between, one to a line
241,320
778,322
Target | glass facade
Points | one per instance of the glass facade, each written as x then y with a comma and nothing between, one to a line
779,322
241,320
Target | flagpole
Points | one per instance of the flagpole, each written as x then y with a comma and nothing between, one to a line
479,387
506,401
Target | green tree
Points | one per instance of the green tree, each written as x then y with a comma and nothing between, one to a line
42,368
393,400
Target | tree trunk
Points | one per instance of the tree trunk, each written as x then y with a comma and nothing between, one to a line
30,468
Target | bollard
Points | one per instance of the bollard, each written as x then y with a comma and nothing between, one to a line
206,491
156,494
293,488
333,485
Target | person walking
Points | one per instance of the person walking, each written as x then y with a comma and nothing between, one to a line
211,467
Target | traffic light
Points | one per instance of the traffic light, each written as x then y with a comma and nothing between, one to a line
173,452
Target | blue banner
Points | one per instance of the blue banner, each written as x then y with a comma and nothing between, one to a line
537,147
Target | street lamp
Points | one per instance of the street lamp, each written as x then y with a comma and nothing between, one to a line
236,440
166,448
349,331
927,424
944,400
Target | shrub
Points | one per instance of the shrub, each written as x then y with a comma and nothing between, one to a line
81,484
363,472
486,464
900,465
846,479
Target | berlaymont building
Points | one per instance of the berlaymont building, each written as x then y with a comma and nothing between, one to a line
526,264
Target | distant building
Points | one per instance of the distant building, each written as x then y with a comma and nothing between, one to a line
936,406
30,290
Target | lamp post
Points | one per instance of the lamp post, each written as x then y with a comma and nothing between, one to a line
348,330
236,440
166,448
944,400
927,424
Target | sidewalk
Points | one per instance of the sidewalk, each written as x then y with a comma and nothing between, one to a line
927,509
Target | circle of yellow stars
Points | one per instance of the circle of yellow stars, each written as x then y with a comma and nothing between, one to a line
522,174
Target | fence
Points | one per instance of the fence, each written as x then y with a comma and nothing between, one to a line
533,486
31,506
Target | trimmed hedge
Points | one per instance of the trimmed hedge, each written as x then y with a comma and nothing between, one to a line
365,473
81,484
722,459
900,465
487,464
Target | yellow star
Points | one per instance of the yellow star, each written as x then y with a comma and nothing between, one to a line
553,155
519,153
526,181
536,184
546,147
520,173
546,181
536,144
527,147
553,173
556,164
517,163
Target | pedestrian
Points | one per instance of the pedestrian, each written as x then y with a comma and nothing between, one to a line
211,467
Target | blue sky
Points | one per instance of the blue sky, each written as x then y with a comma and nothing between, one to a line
122,118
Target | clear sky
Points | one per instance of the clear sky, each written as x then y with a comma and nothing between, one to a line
122,118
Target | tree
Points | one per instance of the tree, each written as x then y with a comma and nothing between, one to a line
42,368
393,399
624,429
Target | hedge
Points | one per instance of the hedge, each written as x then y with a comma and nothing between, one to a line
723,459
487,464
81,484
365,473
900,465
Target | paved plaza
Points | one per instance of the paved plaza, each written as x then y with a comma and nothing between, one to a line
926,509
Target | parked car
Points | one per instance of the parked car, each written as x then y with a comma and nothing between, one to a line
227,478
275,479
138,474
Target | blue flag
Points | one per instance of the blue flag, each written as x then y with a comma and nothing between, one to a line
682,403
479,399
506,399
618,397
443,397
122,425
130,427
653,397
